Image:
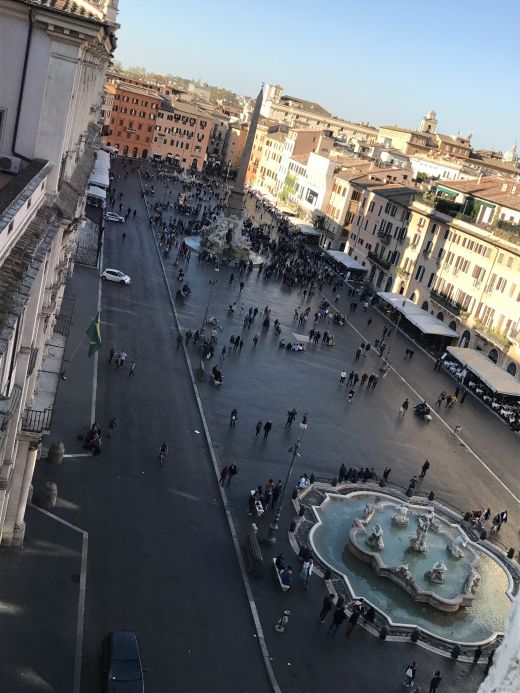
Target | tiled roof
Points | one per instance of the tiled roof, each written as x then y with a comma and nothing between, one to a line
305,105
78,8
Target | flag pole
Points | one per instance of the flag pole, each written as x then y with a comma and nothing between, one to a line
69,361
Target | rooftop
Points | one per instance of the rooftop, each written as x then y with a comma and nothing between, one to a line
12,186
409,130
304,105
79,8
492,188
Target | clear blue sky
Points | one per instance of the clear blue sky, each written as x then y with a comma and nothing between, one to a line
383,61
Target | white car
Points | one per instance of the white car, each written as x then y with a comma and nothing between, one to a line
115,275
112,216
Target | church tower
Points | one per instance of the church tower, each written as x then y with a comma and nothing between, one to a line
429,123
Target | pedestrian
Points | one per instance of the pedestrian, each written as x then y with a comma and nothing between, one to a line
358,353
111,354
223,354
328,603
241,287
291,415
440,399
110,428
132,369
409,674
179,340
424,469
306,572
342,377
463,396
364,378
434,683
369,322
351,394
277,490
267,428
338,618
457,430
233,418
386,473
232,471
256,338
353,619
241,345
223,474
123,236
404,407
259,425
375,381
489,662
477,655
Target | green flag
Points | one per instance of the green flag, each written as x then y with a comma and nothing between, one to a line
94,334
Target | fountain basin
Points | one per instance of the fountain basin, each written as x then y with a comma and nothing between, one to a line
480,622
196,243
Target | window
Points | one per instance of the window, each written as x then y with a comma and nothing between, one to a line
431,280
501,284
419,273
371,206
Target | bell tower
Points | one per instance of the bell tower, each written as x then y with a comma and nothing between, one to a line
429,123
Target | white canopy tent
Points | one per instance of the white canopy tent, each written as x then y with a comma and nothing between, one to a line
100,173
305,228
425,322
480,365
94,191
346,260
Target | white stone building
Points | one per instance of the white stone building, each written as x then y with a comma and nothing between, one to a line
53,59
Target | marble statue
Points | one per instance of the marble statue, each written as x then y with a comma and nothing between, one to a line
424,521
401,517
436,574
223,236
456,546
404,572
375,540
471,582
368,512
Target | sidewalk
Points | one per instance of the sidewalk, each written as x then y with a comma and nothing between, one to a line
39,592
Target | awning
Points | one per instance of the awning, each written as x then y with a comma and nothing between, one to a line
94,191
420,318
101,170
346,260
494,377
304,227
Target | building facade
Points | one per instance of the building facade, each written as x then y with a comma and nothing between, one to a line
182,134
56,58
132,122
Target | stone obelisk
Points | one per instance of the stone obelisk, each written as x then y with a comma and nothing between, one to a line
236,199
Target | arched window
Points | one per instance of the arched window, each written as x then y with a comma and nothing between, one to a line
493,355
453,325
512,368
465,338
125,150
412,297
389,283
425,305
134,152
145,154
440,316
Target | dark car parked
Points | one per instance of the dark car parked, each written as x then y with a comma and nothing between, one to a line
121,663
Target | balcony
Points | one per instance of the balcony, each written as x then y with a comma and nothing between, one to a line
403,273
37,421
451,306
497,338
381,262
427,253
384,237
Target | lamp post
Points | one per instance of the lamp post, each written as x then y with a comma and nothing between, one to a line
273,527
212,283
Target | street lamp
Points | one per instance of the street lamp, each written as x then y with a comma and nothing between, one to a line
273,527
212,283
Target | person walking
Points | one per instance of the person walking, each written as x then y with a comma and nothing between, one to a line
404,407
328,603
386,473
267,428
111,425
358,353
342,377
179,340
353,619
338,618
409,675
477,655
291,415
132,369
306,572
223,474
424,469
259,425
277,490
434,683
233,418
232,471
440,399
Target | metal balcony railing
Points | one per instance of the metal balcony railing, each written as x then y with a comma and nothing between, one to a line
384,264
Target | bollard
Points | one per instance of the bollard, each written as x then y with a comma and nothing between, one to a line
414,637
48,496
292,527
56,452
301,511
383,633
511,553
431,496
455,652
294,495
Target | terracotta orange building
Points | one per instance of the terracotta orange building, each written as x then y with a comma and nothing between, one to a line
182,133
132,122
